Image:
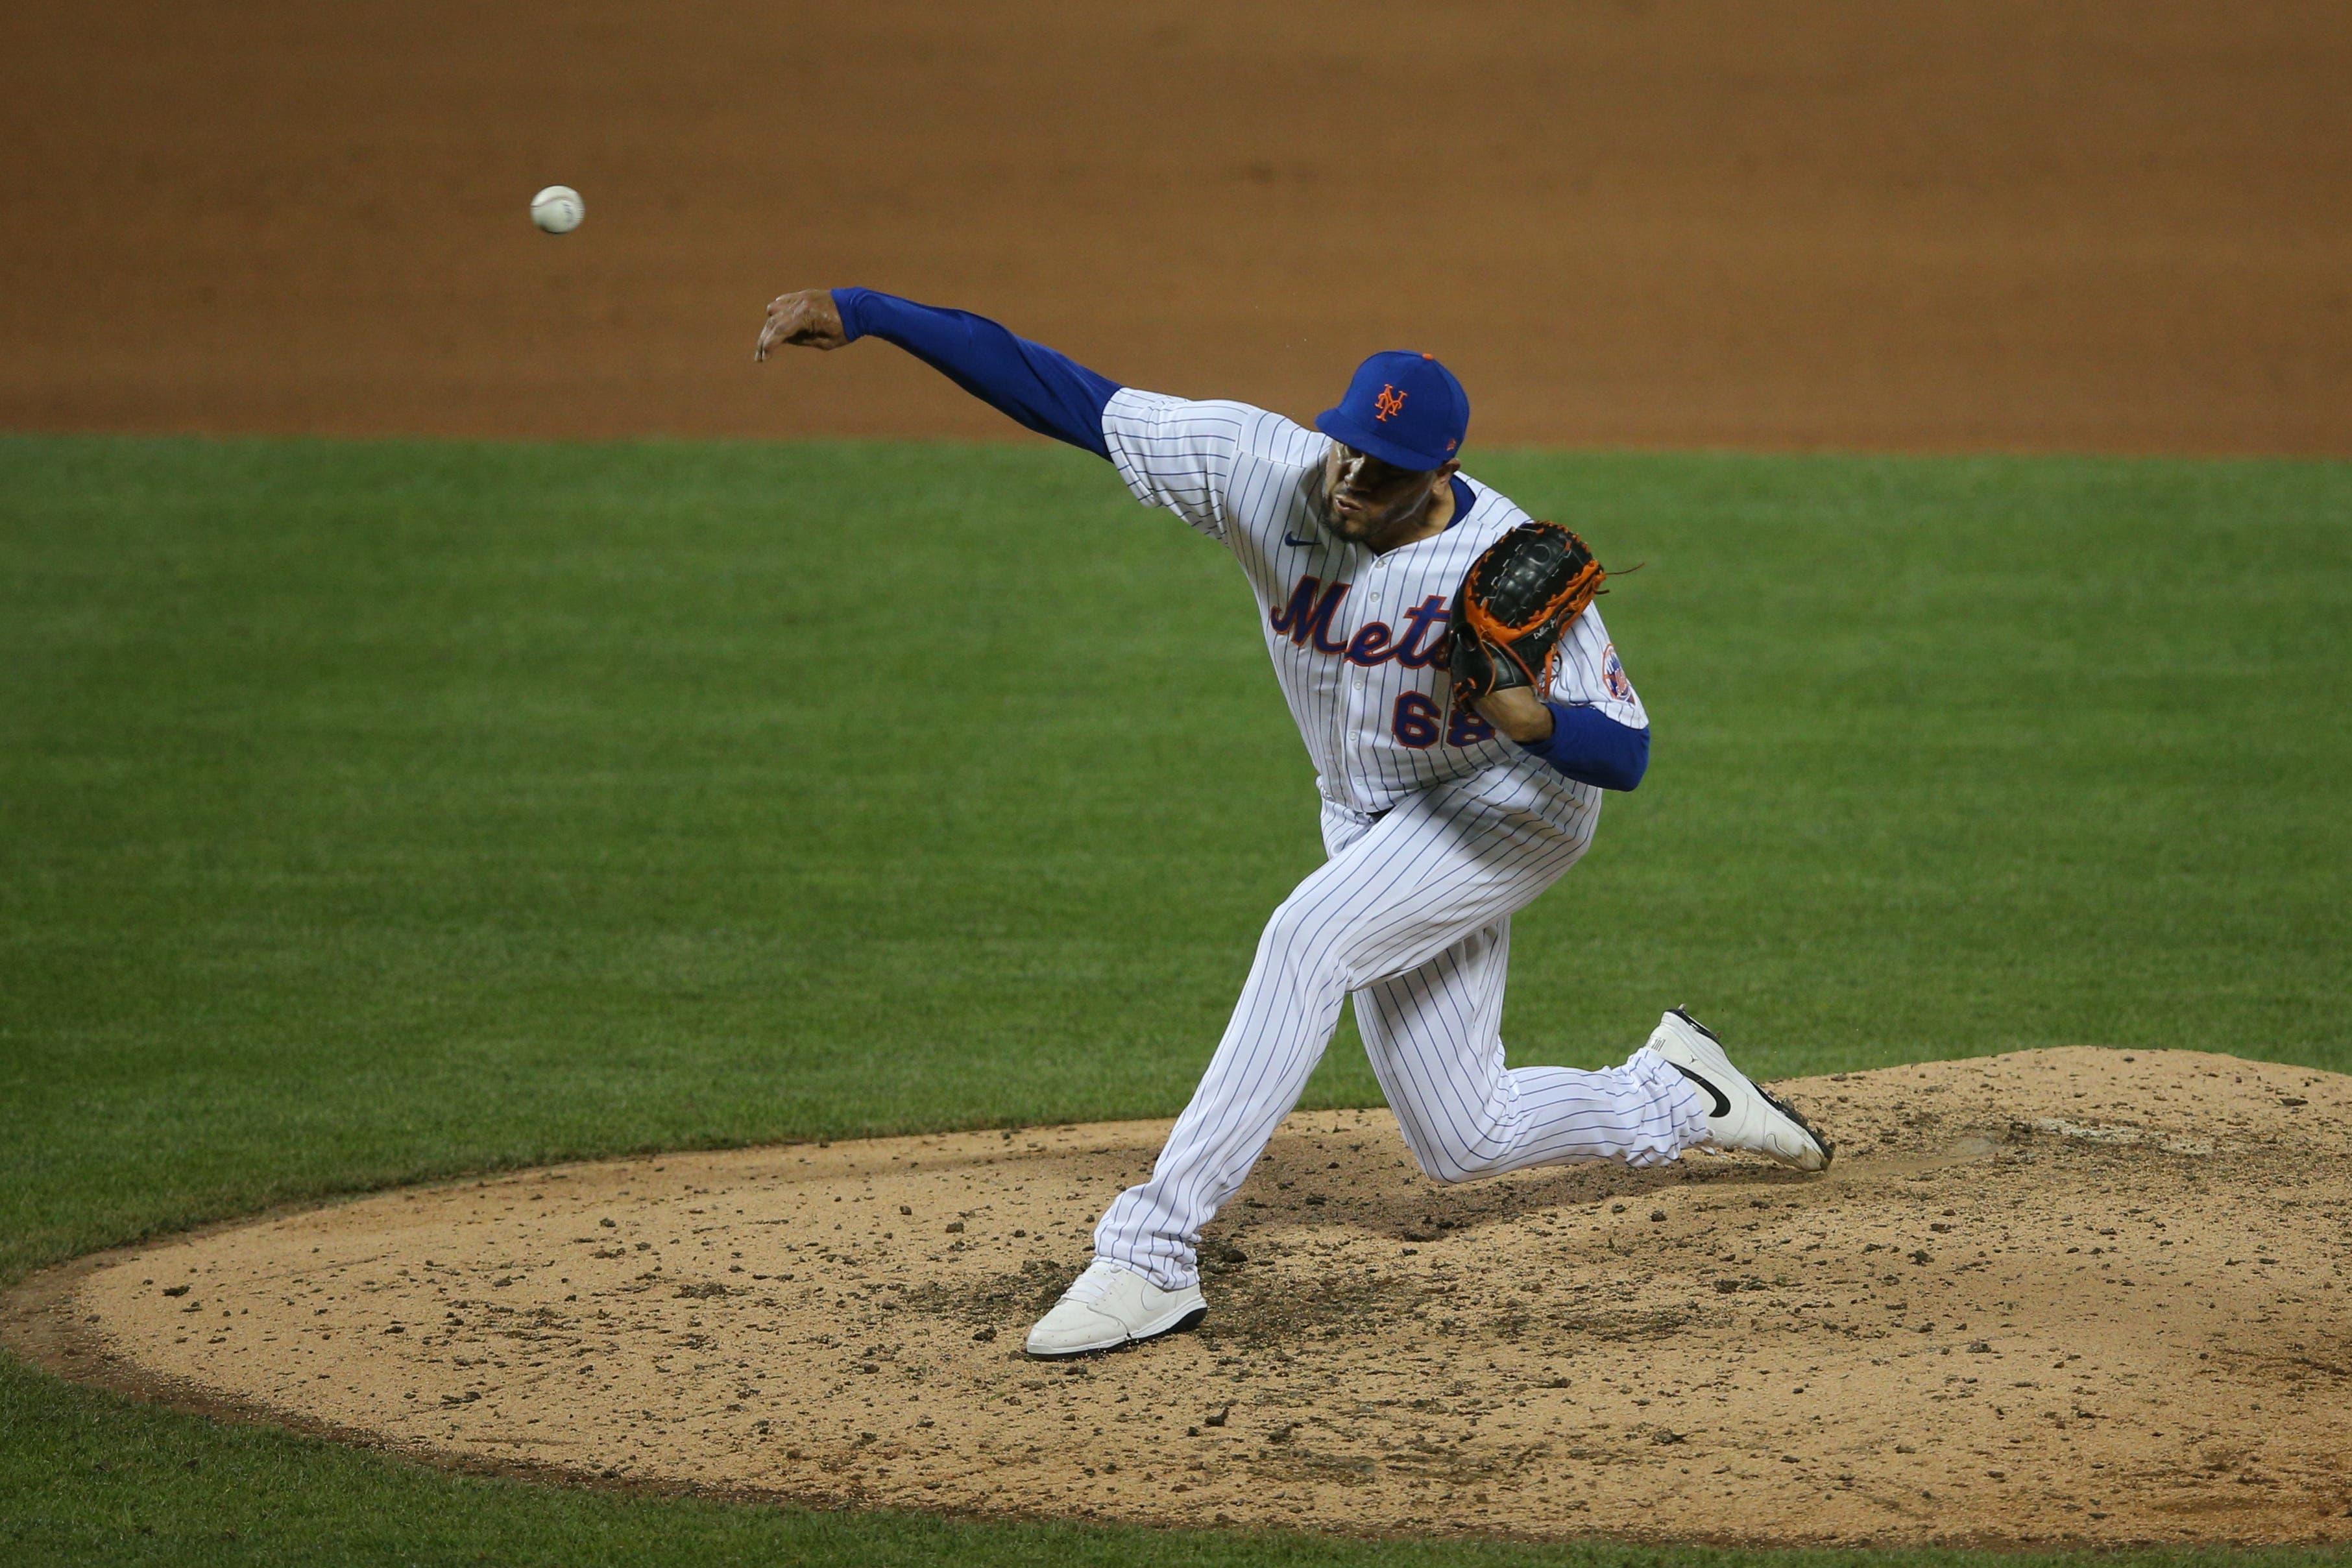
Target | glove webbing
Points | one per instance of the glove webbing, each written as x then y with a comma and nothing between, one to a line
1555,614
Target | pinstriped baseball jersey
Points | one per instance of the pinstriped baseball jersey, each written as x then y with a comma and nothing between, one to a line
1353,634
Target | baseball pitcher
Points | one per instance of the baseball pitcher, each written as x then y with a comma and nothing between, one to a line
1465,711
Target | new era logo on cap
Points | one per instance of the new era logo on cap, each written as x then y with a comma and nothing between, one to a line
1402,407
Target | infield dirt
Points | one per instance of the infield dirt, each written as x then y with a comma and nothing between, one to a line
1787,223
2063,1295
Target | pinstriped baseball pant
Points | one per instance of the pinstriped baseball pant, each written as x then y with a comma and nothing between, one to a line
1411,914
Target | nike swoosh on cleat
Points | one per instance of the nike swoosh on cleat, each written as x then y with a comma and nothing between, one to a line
1722,1100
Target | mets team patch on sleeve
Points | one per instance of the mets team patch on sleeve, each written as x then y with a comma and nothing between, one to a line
1613,674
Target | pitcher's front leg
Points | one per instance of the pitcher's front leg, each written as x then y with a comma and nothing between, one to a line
1278,1032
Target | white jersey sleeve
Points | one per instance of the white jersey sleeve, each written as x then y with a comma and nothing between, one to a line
1190,456
1590,673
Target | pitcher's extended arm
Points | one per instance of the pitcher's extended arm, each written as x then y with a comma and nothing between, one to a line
1047,392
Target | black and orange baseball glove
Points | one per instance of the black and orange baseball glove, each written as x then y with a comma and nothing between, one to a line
1515,603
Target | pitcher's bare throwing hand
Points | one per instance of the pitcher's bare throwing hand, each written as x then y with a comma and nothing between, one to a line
804,319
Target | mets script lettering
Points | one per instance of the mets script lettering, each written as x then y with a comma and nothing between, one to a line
1308,620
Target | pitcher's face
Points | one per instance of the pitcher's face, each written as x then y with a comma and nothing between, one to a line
1368,499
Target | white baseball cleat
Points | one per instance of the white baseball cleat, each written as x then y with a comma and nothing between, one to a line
1741,1116
1109,1306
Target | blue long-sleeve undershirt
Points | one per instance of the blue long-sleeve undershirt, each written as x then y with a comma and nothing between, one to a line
1588,746
1049,392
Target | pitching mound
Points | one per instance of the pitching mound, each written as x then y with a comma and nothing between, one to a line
2066,1294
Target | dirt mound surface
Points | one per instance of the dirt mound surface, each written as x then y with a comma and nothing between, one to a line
1789,222
2072,1294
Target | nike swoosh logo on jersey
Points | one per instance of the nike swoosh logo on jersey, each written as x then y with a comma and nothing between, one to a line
1722,1100
1299,544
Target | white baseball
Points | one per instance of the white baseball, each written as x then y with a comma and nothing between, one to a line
557,209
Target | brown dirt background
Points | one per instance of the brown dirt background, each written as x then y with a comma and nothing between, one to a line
1983,223
2070,1295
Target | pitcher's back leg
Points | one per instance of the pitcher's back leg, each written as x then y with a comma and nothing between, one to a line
1436,1043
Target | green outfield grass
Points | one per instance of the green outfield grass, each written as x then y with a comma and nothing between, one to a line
375,813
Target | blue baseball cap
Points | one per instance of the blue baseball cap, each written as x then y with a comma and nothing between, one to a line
1405,409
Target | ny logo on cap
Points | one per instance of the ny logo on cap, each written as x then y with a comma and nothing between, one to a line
1391,401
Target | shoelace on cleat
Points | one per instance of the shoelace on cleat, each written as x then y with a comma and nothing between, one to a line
1093,1285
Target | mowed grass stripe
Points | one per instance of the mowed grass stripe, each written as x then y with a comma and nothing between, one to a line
370,812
